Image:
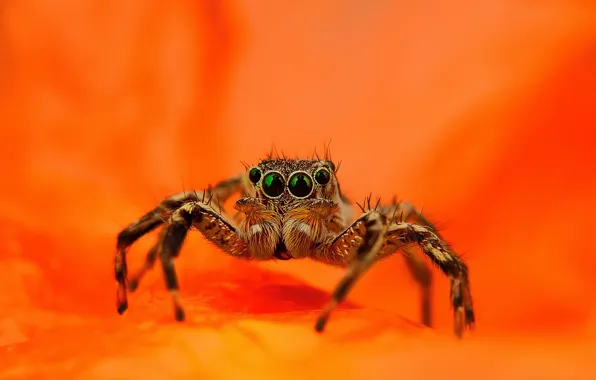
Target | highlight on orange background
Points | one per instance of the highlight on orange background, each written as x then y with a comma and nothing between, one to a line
479,113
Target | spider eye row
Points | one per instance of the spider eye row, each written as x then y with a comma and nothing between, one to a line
299,184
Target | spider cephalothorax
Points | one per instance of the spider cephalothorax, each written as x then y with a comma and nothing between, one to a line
292,209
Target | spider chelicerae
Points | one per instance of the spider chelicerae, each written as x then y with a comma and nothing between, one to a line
294,209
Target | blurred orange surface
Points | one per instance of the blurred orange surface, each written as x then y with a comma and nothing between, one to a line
480,113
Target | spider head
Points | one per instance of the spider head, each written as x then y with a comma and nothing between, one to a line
292,182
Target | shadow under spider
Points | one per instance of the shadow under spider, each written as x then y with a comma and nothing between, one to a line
249,289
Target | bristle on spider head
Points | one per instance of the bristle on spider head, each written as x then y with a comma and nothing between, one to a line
328,151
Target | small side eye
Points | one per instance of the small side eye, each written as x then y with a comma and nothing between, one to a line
322,176
254,175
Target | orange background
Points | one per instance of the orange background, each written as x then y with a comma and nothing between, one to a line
481,113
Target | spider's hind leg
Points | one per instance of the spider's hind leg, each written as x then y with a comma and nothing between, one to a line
422,274
135,278
418,268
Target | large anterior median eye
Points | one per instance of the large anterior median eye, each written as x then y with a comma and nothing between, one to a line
300,185
273,184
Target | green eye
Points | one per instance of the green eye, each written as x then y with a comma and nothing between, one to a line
322,176
300,185
254,175
273,184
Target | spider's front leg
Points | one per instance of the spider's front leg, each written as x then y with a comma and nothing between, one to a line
213,226
255,238
149,222
372,238
367,236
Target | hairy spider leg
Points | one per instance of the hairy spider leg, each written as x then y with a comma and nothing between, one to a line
371,237
418,268
402,235
149,222
214,227
366,235
135,278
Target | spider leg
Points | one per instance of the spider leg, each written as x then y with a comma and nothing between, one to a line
149,222
214,227
402,235
367,236
420,271
135,278
372,238
423,276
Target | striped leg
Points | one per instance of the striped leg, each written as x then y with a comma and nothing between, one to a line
419,269
367,235
213,226
149,222
372,239
402,235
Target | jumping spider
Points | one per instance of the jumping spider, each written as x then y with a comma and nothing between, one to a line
294,209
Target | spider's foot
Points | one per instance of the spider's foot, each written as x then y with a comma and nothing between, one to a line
463,311
321,323
121,307
470,318
135,278
179,313
326,313
458,322
133,284
121,301
463,319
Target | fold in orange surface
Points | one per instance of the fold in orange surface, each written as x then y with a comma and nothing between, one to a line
480,114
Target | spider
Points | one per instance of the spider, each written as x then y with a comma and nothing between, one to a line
294,209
